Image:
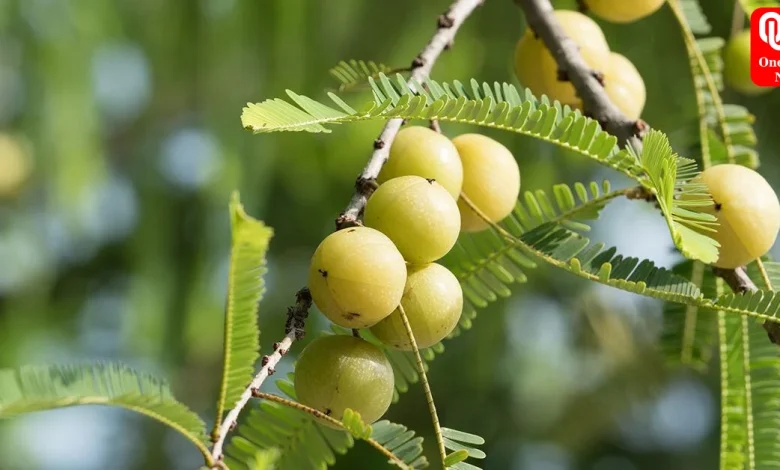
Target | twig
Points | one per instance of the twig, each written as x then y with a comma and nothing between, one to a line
447,26
294,328
320,415
540,18
425,384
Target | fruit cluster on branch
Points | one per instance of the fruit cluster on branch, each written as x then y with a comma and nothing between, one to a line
384,274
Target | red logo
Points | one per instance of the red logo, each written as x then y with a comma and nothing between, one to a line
765,46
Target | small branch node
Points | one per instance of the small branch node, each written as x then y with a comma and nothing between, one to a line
445,21
417,62
264,361
365,186
563,75
379,144
640,128
599,76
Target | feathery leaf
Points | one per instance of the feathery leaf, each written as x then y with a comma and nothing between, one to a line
500,106
37,388
355,73
250,240
670,175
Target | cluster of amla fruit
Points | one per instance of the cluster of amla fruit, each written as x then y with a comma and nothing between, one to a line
537,69
363,277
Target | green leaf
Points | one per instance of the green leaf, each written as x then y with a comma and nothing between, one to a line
500,106
263,460
355,425
37,388
462,441
670,176
689,332
250,240
355,73
455,457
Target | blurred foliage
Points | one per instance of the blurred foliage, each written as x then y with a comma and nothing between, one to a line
120,143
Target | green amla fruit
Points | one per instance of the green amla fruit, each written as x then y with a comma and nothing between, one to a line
433,302
418,215
419,151
748,213
337,372
491,180
623,11
736,65
357,277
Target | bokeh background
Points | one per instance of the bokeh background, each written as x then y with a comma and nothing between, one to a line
120,143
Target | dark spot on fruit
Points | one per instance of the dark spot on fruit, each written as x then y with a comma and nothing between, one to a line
718,206
351,230
430,180
324,273
351,315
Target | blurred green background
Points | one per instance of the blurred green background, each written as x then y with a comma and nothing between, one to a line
120,143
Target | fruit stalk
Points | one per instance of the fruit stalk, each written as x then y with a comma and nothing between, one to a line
295,324
447,26
426,385
540,18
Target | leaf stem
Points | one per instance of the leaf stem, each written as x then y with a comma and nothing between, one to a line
322,416
697,59
764,275
426,386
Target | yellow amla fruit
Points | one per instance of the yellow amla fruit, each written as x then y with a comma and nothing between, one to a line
357,277
418,215
433,302
528,63
491,180
624,86
592,46
337,372
747,210
623,11
419,151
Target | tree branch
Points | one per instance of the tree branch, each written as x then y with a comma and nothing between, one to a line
296,317
596,103
540,18
447,26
